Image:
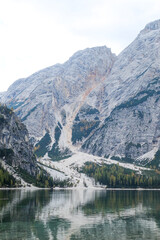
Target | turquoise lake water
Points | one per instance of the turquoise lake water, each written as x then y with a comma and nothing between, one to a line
79,214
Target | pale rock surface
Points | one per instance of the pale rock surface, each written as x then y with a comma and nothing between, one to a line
52,97
95,102
130,102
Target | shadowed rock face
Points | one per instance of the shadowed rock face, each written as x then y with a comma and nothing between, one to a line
15,147
96,102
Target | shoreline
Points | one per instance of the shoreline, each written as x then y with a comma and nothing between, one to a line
83,188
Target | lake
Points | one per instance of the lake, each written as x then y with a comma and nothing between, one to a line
79,214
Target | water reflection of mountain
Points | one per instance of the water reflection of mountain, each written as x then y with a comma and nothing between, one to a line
83,214
17,212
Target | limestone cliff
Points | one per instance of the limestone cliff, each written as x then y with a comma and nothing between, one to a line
49,100
95,102
130,104
15,147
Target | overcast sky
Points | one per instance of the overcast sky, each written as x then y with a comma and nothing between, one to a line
35,34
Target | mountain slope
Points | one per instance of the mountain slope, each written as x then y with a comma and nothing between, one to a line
48,101
15,148
18,164
130,103
95,102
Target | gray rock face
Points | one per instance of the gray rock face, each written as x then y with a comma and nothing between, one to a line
48,101
130,104
95,102
15,147
152,26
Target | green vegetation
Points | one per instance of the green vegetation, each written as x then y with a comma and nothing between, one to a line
116,158
63,115
89,110
138,113
5,110
83,129
58,182
131,144
2,119
154,82
15,105
55,153
116,176
137,99
96,118
57,134
155,163
60,126
41,147
123,159
28,114
6,152
7,180
77,119
62,183
42,179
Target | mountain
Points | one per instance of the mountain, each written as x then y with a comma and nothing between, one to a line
94,104
16,152
48,101
131,101
15,147
18,165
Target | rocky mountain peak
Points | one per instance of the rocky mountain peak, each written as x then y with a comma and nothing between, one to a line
130,102
95,101
48,101
152,26
90,53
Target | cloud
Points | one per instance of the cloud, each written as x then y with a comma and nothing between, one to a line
39,33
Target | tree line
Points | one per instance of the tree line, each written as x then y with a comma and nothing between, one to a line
6,180
116,176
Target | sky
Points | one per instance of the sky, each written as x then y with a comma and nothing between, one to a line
35,34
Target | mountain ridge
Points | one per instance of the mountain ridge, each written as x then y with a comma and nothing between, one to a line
95,102
76,78
135,73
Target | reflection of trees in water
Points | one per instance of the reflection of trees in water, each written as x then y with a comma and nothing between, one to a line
117,201
152,201
22,203
58,226
107,214
113,201
118,229
125,214
18,212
